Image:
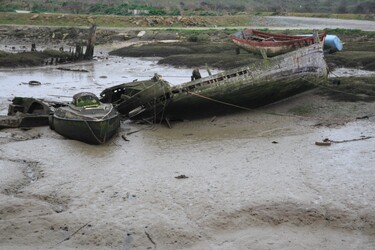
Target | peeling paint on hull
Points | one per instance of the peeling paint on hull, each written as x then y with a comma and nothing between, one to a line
259,42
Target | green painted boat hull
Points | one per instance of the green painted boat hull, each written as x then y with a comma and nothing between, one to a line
86,119
91,132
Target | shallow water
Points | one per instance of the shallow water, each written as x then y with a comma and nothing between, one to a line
103,72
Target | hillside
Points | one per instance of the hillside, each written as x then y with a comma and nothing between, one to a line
193,7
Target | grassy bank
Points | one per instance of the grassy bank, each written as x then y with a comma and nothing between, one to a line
43,19
121,21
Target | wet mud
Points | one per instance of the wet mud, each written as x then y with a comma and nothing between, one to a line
251,179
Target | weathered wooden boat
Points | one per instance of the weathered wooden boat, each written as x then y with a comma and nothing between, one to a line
251,86
131,98
271,44
86,119
28,112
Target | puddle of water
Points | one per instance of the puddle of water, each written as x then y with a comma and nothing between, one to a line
106,71
102,73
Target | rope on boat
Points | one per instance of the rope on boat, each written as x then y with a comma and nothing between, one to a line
110,110
92,132
218,101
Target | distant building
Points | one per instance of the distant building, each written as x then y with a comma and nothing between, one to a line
138,12
23,11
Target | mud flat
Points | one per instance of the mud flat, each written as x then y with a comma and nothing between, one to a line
247,180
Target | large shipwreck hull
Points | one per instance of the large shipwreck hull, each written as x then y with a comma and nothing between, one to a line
255,85
247,87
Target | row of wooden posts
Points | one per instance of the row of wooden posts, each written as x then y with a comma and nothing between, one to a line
78,53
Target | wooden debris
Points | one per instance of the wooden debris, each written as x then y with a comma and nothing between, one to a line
69,69
323,143
328,142
181,177
34,83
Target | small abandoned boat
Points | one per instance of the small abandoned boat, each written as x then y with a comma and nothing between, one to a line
271,44
86,119
247,87
134,98
28,112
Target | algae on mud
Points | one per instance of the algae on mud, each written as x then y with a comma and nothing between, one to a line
351,89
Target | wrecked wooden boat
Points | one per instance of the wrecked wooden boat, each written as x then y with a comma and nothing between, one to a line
271,44
247,87
136,97
86,119
28,112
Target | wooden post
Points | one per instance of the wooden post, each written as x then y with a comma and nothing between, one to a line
91,43
78,53
316,37
208,70
264,54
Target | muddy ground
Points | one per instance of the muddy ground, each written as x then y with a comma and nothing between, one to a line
249,180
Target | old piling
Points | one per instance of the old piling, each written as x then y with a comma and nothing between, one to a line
90,43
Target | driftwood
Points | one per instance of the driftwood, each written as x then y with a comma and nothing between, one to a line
328,142
75,70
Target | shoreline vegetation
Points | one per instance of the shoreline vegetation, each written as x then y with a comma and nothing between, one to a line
357,8
117,21
194,47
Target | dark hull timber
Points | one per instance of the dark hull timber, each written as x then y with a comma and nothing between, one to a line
130,97
24,121
28,112
247,87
